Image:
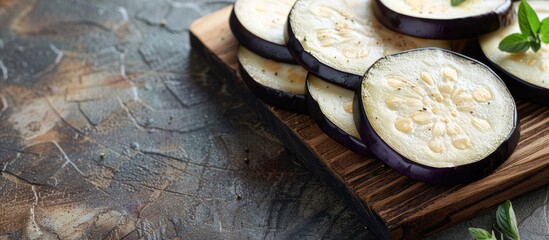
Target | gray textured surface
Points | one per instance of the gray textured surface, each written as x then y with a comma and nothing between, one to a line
111,127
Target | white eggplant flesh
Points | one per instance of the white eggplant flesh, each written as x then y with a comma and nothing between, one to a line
278,84
344,39
437,108
443,9
335,102
264,18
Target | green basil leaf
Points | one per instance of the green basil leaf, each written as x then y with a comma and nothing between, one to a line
515,43
535,45
501,221
456,2
544,30
506,220
481,234
511,218
528,19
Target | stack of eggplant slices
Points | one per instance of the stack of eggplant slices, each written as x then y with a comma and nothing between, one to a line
385,77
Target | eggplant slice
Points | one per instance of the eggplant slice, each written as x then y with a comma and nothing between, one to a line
260,25
438,19
278,84
338,40
436,116
526,74
331,107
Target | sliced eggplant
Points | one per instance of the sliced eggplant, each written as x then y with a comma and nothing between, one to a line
260,25
331,107
526,74
338,40
436,116
438,19
278,84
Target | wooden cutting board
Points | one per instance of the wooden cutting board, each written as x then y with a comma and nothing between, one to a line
392,205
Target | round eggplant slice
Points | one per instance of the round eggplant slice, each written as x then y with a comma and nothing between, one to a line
278,84
436,116
331,107
438,19
259,25
526,74
338,40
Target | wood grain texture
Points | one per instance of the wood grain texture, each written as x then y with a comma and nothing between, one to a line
392,205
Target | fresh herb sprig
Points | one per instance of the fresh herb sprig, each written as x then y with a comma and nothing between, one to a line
456,2
533,31
506,223
481,234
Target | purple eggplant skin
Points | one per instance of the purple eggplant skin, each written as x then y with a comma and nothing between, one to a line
519,88
333,131
309,62
457,28
434,176
277,98
262,47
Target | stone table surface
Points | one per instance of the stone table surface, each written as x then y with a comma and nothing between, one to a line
112,127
